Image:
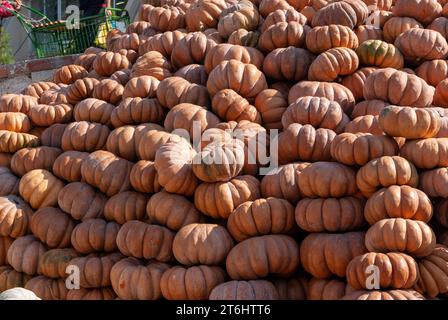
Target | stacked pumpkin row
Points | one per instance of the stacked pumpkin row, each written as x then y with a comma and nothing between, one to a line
101,173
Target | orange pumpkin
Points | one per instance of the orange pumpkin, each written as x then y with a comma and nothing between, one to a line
283,35
164,18
152,64
15,121
54,262
350,13
47,288
10,183
142,87
17,103
355,82
125,206
69,74
28,159
433,72
52,226
106,63
230,106
95,235
68,165
397,25
191,49
226,52
80,90
193,73
161,42
368,107
9,278
331,64
434,182
84,136
15,217
93,110
322,38
424,11
176,90
24,254
291,64
13,141
204,14
433,271
271,105
283,15
144,178
109,90
245,290
40,188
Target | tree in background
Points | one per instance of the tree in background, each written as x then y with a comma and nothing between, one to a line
6,56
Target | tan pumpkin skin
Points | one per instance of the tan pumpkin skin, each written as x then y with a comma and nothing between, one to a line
271,104
56,95
161,42
5,243
67,165
121,76
152,64
81,89
230,106
108,90
333,63
330,214
93,110
396,270
290,64
395,86
415,123
384,295
84,136
52,226
204,14
165,18
330,90
380,54
246,17
304,143
241,261
424,11
359,148
283,182
28,159
413,237
245,38
40,188
433,270
440,25
397,25
191,49
426,153
149,142
384,172
106,63
348,13
14,141
283,15
422,44
440,96
17,103
326,289
9,278
36,89
171,210
125,206
81,201
398,202
54,262
368,107
107,172
327,179
175,90
122,141
24,253
143,177
46,115
324,255
230,75
85,60
95,269
92,294
266,7
10,183
283,35
133,280
15,121
193,73
173,162
244,290
198,243
141,240
95,235
194,283
219,199
368,32
355,81
69,74
316,111
142,87
15,217
261,217
434,182
323,38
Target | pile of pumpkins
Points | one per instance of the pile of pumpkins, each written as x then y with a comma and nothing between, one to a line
95,176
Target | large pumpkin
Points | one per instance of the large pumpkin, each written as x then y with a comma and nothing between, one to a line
242,262
350,13
93,110
67,165
106,63
84,136
143,177
152,64
28,159
331,64
397,25
283,35
355,81
384,172
204,14
69,74
191,49
327,254
17,103
81,89
200,243
323,38
290,64
330,214
15,121
14,141
433,272
271,104
327,179
424,11
47,288
194,283
95,235
434,182
230,106
426,153
40,188
413,237
219,199
142,87
283,15
162,43
366,124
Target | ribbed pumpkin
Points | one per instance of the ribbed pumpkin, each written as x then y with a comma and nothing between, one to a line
330,214
271,104
54,262
433,270
326,289
426,153
191,49
162,43
240,15
47,288
245,290
28,159
331,64
142,87
397,25
109,90
368,107
106,63
384,295
440,96
283,35
323,38
398,202
24,253
175,90
355,81
204,14
424,11
413,237
15,121
15,216
10,279
143,177
241,263
193,73
93,110
95,235
230,106
379,54
85,136
68,165
40,188
291,64
125,206
10,183
69,74
434,182
17,103
14,141
350,13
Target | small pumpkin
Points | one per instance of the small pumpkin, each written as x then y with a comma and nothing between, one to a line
125,206
330,214
95,235
200,243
